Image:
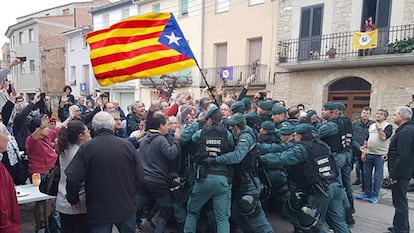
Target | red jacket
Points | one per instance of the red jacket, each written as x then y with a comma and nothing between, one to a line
10,221
42,156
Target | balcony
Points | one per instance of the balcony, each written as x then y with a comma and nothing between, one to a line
182,78
311,52
234,76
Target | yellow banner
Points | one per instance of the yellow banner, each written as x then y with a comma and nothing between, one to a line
365,40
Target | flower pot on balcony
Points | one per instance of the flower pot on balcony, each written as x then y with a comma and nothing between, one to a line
331,53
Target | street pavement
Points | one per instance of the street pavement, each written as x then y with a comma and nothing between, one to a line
370,218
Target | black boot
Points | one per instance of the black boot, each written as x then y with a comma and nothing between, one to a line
349,219
351,202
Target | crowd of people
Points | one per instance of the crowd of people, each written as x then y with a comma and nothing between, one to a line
216,164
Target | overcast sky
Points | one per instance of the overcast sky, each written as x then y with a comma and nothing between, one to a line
12,9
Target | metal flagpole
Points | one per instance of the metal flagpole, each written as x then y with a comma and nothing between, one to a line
208,86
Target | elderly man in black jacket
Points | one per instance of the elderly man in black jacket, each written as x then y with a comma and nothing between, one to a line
111,171
401,167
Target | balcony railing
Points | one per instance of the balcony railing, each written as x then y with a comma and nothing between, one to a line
234,76
316,47
183,77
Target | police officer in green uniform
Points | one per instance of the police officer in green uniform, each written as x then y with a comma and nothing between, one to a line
264,110
312,170
212,182
247,211
279,115
277,175
247,104
345,122
252,119
315,120
188,149
237,106
334,133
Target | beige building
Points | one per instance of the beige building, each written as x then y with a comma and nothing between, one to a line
237,35
380,77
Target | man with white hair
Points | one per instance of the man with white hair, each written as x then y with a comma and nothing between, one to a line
110,175
401,167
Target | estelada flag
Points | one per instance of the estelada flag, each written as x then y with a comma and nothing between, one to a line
139,47
365,40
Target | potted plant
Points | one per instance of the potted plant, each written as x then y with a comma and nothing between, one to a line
282,57
331,53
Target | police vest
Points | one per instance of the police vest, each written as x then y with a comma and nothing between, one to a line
213,142
342,140
248,164
190,148
319,168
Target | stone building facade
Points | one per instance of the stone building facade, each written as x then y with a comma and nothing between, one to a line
357,78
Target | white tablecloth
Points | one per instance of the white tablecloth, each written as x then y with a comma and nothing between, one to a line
30,193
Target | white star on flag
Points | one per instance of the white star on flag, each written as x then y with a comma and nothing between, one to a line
173,39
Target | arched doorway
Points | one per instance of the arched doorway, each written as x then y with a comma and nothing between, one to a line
354,92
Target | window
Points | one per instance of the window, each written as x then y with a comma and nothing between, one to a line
255,2
310,34
221,54
84,43
21,68
85,73
31,35
32,66
20,37
72,79
65,11
184,7
156,7
125,13
105,20
222,6
255,50
70,44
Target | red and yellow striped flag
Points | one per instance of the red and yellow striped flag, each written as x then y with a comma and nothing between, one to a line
139,47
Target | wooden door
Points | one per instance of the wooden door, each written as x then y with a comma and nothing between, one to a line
353,100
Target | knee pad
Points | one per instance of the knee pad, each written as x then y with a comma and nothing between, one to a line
308,217
248,204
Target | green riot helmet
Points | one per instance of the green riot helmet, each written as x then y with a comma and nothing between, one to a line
308,217
247,204
297,200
